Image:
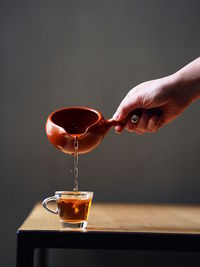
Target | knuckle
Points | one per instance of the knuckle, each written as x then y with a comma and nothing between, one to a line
130,128
128,94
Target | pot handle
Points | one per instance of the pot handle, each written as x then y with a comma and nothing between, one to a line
46,200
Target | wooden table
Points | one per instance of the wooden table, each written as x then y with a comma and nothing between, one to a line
113,226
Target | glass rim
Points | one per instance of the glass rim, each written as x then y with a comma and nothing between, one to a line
73,192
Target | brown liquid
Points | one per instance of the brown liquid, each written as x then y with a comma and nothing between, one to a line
74,210
75,120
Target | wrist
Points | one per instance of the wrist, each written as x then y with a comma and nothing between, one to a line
189,85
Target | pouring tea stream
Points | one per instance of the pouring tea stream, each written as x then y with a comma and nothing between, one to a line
87,125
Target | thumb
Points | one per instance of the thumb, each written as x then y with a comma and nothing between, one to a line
128,104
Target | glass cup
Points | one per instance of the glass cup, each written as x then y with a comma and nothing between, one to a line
73,208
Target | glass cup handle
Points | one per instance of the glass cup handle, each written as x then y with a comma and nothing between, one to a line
44,204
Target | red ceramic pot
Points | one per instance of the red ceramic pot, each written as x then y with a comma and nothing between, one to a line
87,125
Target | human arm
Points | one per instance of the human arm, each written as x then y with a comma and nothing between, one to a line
160,100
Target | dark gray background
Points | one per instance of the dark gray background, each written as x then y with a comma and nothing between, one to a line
62,53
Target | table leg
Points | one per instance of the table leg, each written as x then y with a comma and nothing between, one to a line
25,256
25,251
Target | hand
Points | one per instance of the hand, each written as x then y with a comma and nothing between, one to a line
161,101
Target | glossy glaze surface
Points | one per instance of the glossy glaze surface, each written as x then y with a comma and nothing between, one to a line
87,125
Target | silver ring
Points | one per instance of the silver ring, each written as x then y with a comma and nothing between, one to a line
134,118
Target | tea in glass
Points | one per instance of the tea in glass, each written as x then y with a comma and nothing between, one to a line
73,207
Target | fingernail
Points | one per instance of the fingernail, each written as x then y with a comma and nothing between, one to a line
118,130
116,116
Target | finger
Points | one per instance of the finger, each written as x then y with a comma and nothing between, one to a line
154,124
143,122
119,128
139,132
141,126
128,104
131,127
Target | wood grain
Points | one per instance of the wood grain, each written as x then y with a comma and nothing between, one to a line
134,218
